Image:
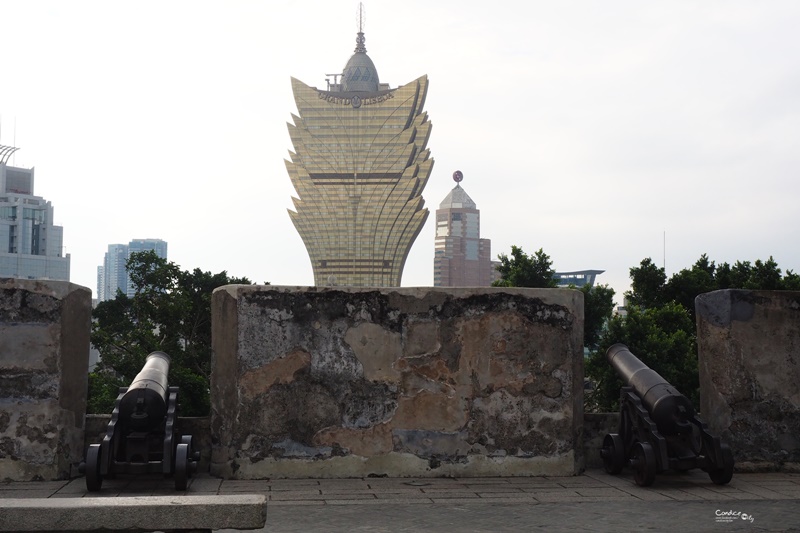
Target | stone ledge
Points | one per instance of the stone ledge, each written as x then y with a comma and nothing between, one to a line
135,513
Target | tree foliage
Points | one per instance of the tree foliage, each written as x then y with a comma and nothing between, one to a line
171,312
521,270
598,307
647,285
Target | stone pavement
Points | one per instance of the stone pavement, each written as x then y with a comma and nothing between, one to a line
593,501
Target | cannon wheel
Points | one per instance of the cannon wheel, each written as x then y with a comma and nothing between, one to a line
94,479
644,463
613,454
723,474
183,467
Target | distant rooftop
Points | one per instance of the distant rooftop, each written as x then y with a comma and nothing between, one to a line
457,198
578,278
359,74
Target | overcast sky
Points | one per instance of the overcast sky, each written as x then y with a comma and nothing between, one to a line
602,132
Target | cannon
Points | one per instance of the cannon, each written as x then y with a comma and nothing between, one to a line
658,428
141,437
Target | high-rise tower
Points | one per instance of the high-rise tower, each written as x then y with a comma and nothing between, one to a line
113,274
31,245
461,257
359,166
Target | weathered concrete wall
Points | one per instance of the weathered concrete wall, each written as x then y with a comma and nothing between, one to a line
749,358
595,428
44,358
324,382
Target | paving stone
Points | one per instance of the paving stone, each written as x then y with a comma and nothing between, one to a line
285,482
292,503
76,487
680,495
648,495
32,485
505,496
274,496
340,490
610,492
438,490
493,488
554,492
30,493
355,501
451,495
475,500
398,490
205,484
488,480
408,494
766,493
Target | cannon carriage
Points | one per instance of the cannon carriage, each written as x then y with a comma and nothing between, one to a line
658,428
141,437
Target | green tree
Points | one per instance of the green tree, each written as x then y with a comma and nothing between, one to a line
521,270
684,286
647,285
171,312
598,307
791,281
103,390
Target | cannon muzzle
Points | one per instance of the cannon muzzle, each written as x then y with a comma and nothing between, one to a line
145,403
668,408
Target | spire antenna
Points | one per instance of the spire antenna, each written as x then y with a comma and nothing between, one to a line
360,38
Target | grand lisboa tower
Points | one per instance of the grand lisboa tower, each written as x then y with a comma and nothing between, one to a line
359,166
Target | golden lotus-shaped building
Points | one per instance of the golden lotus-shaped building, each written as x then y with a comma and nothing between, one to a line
359,166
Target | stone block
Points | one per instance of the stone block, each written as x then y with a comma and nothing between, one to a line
749,359
135,513
342,382
44,361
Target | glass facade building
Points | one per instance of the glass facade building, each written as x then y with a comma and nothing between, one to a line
578,278
112,275
358,167
31,246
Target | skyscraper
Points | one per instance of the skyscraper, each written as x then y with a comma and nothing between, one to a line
359,166
461,257
113,275
143,245
30,244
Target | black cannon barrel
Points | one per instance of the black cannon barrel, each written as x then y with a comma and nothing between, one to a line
144,406
668,408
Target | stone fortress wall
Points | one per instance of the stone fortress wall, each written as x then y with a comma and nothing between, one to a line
339,382
342,382
749,357
44,364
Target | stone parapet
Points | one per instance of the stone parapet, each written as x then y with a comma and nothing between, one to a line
135,514
340,382
749,359
44,360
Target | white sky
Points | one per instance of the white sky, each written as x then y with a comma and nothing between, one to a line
588,129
